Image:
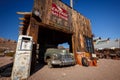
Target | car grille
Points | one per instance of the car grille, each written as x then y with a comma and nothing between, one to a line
66,56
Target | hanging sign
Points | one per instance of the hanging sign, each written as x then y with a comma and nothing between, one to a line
60,12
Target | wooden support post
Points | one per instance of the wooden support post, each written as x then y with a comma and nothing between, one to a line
33,31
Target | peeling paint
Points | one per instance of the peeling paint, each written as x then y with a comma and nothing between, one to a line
22,62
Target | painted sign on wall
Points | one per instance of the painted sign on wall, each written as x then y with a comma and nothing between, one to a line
59,12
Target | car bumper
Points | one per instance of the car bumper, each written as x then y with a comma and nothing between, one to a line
63,62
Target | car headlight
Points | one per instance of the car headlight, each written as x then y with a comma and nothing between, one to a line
55,56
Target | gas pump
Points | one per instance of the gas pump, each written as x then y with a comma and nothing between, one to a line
22,58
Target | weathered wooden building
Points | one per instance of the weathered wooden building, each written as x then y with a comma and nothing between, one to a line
52,22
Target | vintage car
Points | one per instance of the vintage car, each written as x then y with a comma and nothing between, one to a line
59,57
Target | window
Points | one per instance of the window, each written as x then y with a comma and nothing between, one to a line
89,44
26,44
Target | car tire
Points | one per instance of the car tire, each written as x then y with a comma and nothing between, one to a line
49,63
85,62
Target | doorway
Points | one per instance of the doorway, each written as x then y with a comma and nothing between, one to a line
49,38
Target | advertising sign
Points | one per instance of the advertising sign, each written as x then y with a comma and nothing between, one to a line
59,12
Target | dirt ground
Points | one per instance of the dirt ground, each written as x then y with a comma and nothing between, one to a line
5,60
106,69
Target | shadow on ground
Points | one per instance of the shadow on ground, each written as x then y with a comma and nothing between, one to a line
38,66
5,71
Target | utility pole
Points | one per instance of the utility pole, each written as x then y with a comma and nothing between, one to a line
118,43
71,3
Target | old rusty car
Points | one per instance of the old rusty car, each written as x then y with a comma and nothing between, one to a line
59,57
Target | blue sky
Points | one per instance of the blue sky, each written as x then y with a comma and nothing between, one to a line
103,14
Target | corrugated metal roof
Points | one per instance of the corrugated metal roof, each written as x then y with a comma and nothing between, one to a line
107,44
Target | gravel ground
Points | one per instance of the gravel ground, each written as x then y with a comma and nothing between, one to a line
106,69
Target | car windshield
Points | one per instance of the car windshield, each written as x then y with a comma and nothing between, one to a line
64,52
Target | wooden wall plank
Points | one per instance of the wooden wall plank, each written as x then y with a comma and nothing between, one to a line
76,24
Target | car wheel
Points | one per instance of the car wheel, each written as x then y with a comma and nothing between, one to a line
49,63
85,62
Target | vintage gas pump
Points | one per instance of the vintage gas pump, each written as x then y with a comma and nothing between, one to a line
22,58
